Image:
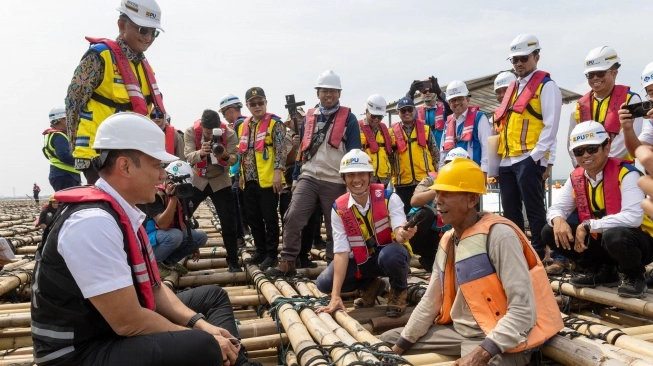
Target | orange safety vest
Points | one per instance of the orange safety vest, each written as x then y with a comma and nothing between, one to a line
170,139
611,123
439,115
259,143
521,103
481,286
337,129
401,140
468,128
371,139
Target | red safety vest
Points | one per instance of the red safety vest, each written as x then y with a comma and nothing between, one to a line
170,139
439,115
179,212
371,139
145,272
611,123
468,129
259,144
380,216
401,140
522,100
197,127
611,189
138,102
337,129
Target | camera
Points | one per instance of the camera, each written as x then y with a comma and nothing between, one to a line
182,189
217,147
640,109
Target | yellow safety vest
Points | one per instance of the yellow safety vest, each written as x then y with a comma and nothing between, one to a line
112,90
380,159
522,131
265,158
415,163
49,152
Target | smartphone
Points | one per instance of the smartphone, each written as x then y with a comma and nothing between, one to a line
424,85
640,109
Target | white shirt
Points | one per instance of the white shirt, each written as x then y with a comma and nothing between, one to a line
647,132
618,145
484,129
551,102
631,214
340,242
91,243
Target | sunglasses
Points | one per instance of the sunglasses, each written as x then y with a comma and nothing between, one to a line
599,74
591,149
254,104
376,116
156,115
406,110
146,30
516,59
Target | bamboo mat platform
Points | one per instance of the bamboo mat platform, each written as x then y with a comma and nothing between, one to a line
278,323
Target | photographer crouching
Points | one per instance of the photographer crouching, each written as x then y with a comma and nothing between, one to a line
211,148
169,222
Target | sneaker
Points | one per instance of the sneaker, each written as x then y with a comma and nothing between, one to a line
267,263
282,269
304,262
256,259
234,267
604,275
179,268
633,286
556,267
396,303
164,271
367,297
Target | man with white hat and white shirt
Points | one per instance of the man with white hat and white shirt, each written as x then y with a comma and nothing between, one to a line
376,140
528,117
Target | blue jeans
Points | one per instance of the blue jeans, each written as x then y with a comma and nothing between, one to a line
391,260
172,247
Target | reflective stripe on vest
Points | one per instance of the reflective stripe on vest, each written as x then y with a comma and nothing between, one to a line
470,265
50,152
468,129
264,158
337,128
438,124
524,97
145,272
611,118
380,216
197,128
611,189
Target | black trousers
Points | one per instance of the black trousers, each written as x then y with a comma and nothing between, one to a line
261,212
64,181
630,249
239,207
523,182
425,242
405,193
188,347
224,202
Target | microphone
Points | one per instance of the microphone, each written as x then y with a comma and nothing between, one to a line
417,218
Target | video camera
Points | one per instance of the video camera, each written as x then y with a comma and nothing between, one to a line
216,145
182,189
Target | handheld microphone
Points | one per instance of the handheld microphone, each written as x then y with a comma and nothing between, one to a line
417,218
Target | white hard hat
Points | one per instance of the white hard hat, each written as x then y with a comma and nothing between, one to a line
180,168
145,13
133,131
229,100
504,79
524,44
376,104
601,59
57,113
328,80
587,133
458,152
455,89
356,161
647,75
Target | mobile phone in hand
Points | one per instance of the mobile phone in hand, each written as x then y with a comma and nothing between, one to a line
640,109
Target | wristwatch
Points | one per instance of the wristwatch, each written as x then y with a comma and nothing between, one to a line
195,319
586,226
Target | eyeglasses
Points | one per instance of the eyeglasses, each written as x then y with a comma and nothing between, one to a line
254,104
146,30
156,114
376,116
406,110
599,74
591,149
516,59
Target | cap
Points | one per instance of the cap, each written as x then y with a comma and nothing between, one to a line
405,102
253,93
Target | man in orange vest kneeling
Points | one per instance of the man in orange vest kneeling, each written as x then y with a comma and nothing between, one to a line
489,300
369,226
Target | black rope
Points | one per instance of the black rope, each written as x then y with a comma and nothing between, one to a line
575,324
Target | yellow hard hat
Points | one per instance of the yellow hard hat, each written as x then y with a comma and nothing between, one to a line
460,175
52,198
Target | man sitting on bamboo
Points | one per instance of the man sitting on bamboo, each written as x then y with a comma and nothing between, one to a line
487,282
368,227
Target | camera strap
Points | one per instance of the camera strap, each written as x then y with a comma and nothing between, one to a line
319,137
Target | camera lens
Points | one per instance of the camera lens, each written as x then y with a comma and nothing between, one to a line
217,149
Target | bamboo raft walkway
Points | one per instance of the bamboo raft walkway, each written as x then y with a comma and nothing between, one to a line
278,323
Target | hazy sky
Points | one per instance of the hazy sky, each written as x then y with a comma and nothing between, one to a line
211,48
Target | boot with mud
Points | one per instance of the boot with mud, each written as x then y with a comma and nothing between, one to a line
396,303
282,269
367,297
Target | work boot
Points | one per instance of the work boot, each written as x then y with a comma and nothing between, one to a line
632,286
233,267
305,262
267,263
367,297
256,259
282,269
396,303
164,271
603,275
556,267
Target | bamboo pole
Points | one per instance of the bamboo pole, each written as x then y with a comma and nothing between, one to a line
251,330
602,296
11,306
428,358
16,342
625,319
11,281
264,342
16,264
16,320
27,361
247,300
26,249
291,359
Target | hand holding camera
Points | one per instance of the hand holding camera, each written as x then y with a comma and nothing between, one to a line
216,145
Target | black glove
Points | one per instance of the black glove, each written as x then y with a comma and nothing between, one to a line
413,89
435,87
